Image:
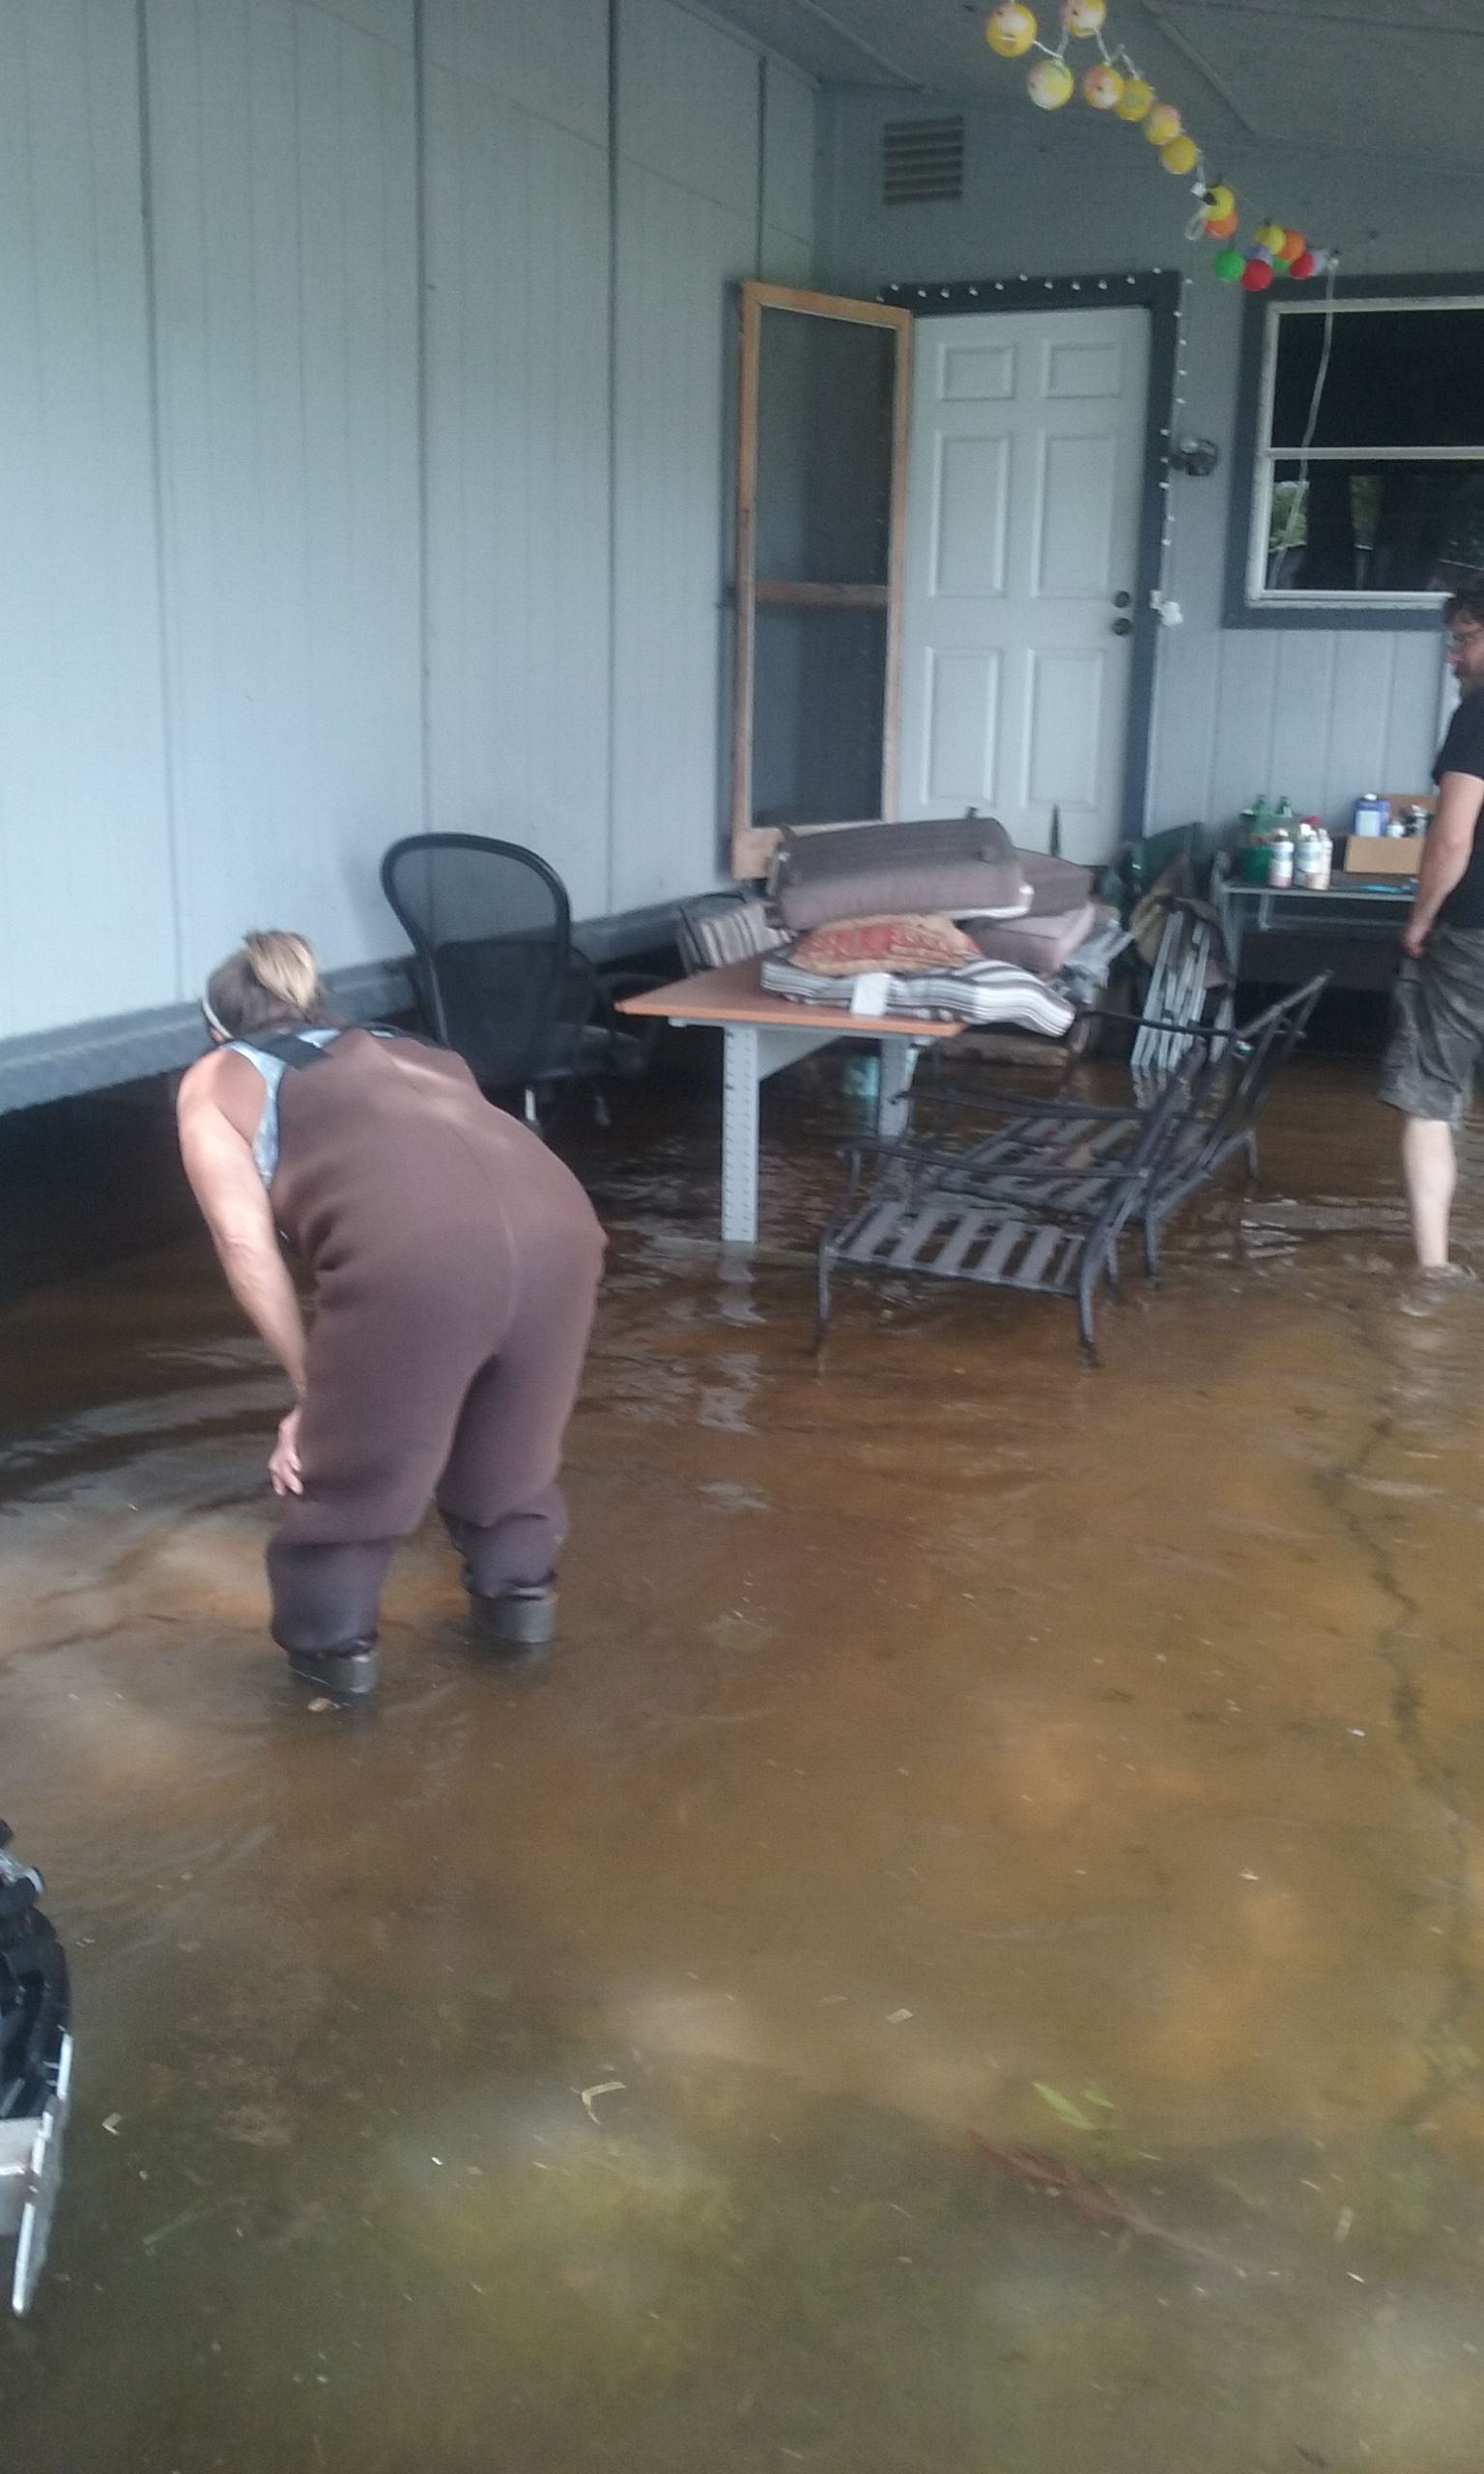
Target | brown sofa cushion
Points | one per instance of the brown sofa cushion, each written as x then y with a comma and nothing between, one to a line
870,871
1039,944
905,941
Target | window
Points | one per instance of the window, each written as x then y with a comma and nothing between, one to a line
1368,482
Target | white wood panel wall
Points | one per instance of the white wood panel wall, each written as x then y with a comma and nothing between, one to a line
85,885
283,176
518,480
273,589
689,216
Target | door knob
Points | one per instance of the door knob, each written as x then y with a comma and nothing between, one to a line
1123,626
1121,600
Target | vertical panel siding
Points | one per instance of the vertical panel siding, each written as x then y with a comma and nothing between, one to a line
677,254
216,696
85,888
688,227
548,56
518,472
688,104
285,253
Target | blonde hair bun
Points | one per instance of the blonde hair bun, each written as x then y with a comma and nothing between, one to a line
272,979
285,965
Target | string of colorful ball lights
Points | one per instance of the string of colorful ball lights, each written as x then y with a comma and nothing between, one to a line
1113,84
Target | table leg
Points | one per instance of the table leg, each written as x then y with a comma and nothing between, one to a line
899,1064
740,1078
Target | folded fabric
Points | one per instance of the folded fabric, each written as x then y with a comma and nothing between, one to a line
980,992
915,940
1039,944
865,871
1056,884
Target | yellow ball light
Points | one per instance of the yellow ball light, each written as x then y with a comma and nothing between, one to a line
1162,124
1103,87
1083,17
1269,235
1219,203
1182,155
1049,84
1137,100
1010,29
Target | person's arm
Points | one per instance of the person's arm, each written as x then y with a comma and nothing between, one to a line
234,1203
1445,854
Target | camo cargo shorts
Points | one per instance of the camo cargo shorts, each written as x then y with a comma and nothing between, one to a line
1437,1028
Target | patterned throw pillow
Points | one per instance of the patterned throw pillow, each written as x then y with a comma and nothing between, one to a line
901,941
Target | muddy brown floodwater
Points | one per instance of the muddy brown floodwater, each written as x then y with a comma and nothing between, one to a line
967,1960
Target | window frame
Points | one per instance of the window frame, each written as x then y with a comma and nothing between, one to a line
1249,602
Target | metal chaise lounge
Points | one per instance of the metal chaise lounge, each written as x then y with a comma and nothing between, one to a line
1034,1194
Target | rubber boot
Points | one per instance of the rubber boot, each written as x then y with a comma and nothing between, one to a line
349,1670
517,1620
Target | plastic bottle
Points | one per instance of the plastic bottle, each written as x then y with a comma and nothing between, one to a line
1313,869
1371,815
1280,860
1254,848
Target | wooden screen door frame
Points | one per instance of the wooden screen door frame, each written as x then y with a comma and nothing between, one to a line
753,845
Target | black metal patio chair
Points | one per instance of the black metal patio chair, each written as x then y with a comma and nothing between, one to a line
1034,1194
498,975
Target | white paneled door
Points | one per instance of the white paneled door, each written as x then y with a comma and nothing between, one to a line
1024,482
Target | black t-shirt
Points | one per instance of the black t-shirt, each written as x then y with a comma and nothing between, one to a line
1462,752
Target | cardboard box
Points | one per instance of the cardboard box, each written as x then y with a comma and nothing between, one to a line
1368,854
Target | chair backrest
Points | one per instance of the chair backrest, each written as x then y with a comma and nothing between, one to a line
718,928
1191,959
491,930
1232,1089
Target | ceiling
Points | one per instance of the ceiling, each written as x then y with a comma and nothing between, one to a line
1401,77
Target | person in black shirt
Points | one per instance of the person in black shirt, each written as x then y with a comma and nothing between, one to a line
1437,1027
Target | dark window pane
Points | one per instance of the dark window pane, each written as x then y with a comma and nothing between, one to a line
1359,527
819,698
1396,378
824,449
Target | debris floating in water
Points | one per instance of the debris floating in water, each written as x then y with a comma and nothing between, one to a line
603,2088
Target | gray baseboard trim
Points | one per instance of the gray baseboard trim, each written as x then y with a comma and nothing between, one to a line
126,1047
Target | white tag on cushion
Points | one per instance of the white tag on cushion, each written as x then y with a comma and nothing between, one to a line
869,992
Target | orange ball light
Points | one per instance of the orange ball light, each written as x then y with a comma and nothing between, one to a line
1221,227
1103,87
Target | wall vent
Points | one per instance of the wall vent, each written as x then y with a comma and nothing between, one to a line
922,160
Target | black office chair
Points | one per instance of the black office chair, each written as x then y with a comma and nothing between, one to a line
496,974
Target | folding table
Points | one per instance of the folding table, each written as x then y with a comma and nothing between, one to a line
763,1033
